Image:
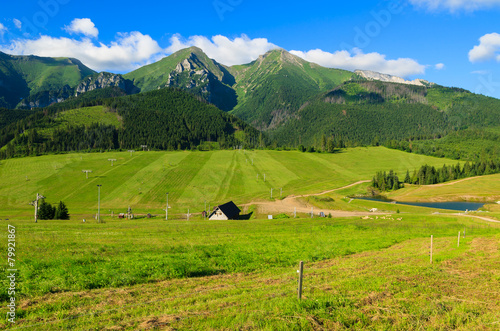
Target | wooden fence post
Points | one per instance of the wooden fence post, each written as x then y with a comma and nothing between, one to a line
301,271
432,237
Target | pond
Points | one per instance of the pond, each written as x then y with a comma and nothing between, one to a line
451,205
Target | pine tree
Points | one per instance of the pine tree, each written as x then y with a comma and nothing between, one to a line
330,145
45,211
407,178
62,212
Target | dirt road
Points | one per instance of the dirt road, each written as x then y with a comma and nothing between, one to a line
487,219
290,204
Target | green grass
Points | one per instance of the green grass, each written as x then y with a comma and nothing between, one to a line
209,275
484,188
127,273
84,116
89,115
191,178
151,76
49,73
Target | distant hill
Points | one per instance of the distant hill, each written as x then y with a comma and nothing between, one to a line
294,101
23,76
372,112
274,87
166,119
265,92
189,69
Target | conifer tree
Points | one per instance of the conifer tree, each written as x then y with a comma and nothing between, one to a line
62,212
45,210
407,177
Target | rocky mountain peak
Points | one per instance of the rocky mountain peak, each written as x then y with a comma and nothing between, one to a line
104,80
372,75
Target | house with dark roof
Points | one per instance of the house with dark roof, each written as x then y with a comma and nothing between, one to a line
227,211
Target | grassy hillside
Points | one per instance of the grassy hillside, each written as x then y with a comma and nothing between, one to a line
189,69
26,75
142,179
272,88
359,274
82,117
151,273
485,188
89,115
165,119
371,112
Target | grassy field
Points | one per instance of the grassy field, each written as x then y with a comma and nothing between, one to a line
142,179
145,273
83,116
136,274
89,115
484,188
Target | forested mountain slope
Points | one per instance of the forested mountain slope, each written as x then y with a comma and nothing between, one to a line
372,112
22,76
166,119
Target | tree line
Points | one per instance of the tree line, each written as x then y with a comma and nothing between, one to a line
167,119
429,175
48,212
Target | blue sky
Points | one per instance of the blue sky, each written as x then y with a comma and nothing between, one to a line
450,42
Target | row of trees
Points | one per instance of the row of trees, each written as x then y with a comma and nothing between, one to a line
429,175
470,144
363,124
387,181
48,212
167,119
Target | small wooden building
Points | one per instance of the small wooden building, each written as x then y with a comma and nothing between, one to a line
227,211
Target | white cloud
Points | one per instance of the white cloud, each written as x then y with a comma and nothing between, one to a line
481,72
132,50
3,29
84,26
128,52
224,50
402,67
455,5
488,48
17,23
439,66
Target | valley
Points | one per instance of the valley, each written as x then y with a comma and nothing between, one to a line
292,144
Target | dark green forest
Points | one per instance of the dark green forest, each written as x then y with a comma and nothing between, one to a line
436,121
167,119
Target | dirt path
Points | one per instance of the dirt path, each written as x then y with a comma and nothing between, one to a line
453,183
290,204
487,219
329,191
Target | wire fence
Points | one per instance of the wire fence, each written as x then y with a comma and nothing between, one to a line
285,285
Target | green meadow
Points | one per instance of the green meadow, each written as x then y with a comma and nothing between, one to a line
141,180
148,273
194,274
484,188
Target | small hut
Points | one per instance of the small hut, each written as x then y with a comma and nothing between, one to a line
227,211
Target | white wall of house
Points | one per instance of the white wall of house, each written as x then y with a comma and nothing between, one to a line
219,216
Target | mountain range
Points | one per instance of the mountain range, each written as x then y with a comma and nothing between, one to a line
294,101
265,92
